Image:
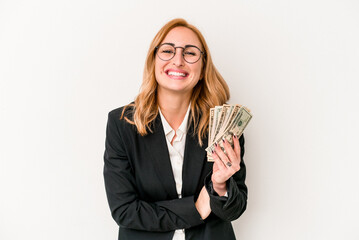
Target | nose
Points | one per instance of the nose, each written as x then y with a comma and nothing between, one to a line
178,58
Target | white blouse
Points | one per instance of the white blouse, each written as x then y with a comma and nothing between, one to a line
176,152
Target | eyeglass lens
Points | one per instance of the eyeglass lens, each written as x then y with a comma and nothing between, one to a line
190,54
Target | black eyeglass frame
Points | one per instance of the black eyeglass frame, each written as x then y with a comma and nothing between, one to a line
183,48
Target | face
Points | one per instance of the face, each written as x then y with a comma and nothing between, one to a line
177,75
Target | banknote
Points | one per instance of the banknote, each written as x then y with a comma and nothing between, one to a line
221,118
217,115
233,112
226,121
211,116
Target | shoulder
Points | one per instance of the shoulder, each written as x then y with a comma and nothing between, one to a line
119,115
121,112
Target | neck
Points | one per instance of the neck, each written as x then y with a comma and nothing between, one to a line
174,107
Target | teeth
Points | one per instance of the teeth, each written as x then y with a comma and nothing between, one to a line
176,74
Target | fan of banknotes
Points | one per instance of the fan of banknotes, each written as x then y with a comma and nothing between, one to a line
224,121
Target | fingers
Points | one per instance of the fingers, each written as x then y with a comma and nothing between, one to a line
222,156
223,172
229,150
219,164
225,166
232,159
215,165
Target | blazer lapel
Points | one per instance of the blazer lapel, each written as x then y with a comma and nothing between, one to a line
159,152
194,158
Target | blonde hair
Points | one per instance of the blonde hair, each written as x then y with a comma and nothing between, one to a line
210,91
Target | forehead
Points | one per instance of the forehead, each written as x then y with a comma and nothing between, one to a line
182,36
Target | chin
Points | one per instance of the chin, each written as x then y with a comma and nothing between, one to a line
176,89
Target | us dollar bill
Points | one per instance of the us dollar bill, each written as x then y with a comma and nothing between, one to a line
217,115
235,126
221,119
230,118
210,124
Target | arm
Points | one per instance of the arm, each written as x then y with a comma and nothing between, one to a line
231,207
126,208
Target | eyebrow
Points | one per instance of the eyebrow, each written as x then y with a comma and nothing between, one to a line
188,45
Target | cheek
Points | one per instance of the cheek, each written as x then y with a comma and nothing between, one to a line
198,70
158,70
159,67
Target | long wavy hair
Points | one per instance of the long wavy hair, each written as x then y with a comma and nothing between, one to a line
210,91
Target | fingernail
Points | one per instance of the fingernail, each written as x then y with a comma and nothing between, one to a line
215,144
223,140
212,151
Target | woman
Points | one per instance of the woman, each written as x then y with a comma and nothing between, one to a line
158,181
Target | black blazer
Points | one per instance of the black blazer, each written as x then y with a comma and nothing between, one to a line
141,189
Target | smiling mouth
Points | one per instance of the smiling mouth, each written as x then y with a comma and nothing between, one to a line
176,74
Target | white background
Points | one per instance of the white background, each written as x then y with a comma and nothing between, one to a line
65,64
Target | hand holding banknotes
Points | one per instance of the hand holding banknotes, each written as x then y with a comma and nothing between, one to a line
226,125
225,165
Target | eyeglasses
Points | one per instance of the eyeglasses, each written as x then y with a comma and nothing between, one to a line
190,53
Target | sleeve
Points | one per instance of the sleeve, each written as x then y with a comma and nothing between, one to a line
230,208
127,209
